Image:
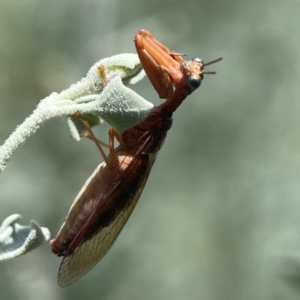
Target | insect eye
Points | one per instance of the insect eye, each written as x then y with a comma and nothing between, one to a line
193,82
198,60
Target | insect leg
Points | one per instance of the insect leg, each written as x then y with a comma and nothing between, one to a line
88,136
91,135
112,135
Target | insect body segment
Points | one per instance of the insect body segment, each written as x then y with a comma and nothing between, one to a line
107,199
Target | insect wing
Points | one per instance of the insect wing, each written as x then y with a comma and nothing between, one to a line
88,253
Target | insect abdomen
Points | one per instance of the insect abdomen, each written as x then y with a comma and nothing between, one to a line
123,195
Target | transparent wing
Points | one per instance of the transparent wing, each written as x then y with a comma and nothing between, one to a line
76,263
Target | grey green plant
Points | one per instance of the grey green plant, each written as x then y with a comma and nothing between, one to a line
118,105
92,97
17,240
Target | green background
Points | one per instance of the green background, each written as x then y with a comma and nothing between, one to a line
220,215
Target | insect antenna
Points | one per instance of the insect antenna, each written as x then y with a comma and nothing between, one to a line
212,62
209,72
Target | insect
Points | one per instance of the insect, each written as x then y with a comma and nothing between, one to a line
107,199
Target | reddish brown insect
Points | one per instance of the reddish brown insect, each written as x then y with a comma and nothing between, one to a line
107,199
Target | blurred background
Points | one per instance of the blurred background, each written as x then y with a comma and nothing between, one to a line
220,215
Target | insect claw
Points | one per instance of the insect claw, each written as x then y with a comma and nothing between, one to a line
103,74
